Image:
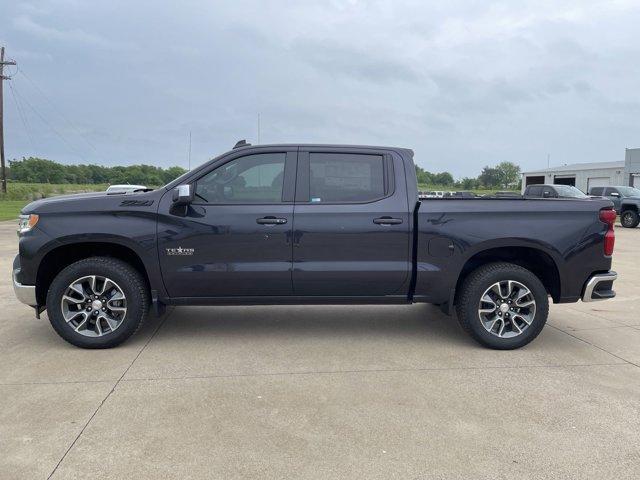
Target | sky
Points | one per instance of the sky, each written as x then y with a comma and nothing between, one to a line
464,84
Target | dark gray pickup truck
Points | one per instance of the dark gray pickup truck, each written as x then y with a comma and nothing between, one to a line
309,224
626,201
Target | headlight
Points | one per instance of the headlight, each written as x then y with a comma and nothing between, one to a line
27,222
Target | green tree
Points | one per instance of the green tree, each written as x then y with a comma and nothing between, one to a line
489,177
443,178
509,174
469,183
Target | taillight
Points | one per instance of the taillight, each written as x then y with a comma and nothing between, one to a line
608,216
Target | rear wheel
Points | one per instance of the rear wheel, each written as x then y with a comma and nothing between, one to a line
629,219
97,302
502,306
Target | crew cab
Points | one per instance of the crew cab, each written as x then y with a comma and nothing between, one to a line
309,224
626,201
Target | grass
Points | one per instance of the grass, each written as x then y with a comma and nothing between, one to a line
10,209
19,194
34,191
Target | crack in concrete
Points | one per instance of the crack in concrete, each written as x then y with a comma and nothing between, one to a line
162,322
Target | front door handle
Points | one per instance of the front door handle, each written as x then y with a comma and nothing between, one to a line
387,221
271,221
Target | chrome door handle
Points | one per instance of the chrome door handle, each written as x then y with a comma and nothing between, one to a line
271,221
387,221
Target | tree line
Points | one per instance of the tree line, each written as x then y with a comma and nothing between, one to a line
504,175
40,170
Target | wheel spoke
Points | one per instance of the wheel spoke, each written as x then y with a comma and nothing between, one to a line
92,283
514,324
72,300
502,325
113,324
77,287
523,318
82,323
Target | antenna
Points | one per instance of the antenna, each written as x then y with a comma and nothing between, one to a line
189,154
258,129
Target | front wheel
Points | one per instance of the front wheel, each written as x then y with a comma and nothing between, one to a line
629,219
97,302
502,306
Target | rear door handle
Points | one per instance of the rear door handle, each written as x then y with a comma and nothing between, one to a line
387,221
271,221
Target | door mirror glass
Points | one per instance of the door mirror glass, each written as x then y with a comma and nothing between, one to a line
182,195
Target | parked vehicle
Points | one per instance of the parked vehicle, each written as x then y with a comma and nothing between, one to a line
626,201
553,191
463,194
309,224
506,194
125,188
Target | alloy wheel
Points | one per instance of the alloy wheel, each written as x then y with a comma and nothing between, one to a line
507,308
94,305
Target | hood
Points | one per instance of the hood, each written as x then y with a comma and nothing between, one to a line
59,202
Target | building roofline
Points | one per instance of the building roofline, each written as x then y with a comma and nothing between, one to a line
578,166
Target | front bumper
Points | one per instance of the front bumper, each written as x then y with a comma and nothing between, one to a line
25,293
599,287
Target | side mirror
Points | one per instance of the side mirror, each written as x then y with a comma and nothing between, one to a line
614,194
546,194
182,195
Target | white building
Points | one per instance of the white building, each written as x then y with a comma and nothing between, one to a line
587,175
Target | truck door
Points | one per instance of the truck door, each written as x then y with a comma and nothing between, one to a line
351,223
235,238
614,195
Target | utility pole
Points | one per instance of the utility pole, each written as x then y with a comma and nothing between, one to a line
2,79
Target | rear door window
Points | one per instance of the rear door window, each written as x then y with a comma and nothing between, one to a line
535,191
346,178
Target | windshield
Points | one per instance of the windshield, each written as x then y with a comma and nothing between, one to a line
569,191
629,192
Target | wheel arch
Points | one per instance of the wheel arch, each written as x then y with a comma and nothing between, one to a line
54,261
539,262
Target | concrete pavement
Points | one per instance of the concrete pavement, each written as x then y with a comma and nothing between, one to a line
324,392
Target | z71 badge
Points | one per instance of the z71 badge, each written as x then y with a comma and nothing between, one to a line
180,251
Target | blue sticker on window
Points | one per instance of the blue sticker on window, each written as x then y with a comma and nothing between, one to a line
316,199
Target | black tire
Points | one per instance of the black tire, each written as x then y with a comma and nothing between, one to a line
629,219
477,283
129,280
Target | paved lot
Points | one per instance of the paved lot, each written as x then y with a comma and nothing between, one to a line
331,392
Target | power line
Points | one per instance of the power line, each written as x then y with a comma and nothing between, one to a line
23,117
56,109
53,129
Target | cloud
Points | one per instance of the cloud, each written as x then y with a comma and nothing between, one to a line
26,24
465,84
